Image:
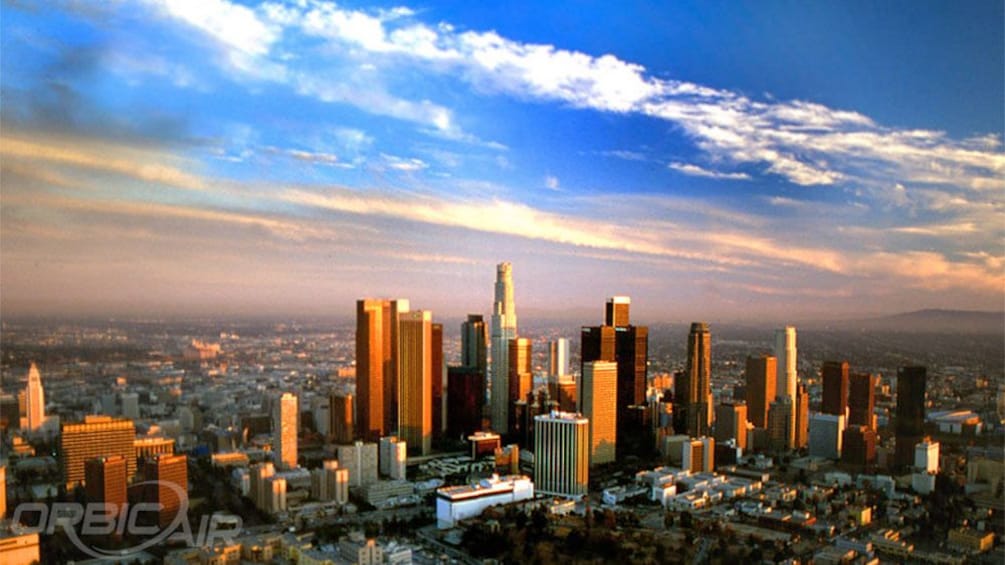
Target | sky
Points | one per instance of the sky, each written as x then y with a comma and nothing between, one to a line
739,161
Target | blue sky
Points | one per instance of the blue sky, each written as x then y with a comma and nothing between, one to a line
714,160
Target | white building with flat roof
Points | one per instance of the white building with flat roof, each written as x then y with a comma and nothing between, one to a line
467,501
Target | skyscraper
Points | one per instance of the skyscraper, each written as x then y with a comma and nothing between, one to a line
3,490
616,311
34,398
520,379
835,378
439,375
698,403
628,346
761,388
503,330
474,344
558,358
781,415
731,423
861,399
909,420
785,352
598,396
105,481
802,433
377,365
96,436
167,485
340,426
465,400
415,379
285,417
561,454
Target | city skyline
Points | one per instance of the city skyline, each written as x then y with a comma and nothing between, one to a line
712,162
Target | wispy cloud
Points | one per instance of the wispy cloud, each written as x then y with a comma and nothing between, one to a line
551,182
696,171
405,164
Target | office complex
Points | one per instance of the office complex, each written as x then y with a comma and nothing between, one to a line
561,454
166,483
392,457
465,400
105,480
96,436
361,460
330,482
285,418
504,329
457,503
598,395
415,380
340,418
731,423
34,400
835,378
909,419
761,388
474,344
377,366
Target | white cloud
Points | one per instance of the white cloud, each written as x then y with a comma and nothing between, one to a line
410,164
551,182
696,171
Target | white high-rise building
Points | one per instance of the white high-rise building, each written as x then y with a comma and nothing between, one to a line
562,454
330,482
503,330
926,456
284,431
393,457
34,401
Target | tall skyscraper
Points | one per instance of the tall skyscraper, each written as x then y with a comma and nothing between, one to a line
415,379
167,485
802,435
96,436
598,397
34,398
503,330
561,454
785,352
474,344
862,399
285,418
377,365
3,490
340,409
761,388
835,377
698,403
558,358
731,423
105,480
909,420
616,311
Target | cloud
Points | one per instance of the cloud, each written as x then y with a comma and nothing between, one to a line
408,165
131,163
696,171
551,182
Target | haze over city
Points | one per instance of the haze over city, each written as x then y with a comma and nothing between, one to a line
713,161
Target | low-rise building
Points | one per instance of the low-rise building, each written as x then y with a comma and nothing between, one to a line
462,502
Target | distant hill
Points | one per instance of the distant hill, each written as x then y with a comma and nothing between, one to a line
934,321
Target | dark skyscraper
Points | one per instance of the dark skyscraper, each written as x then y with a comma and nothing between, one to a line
861,399
698,403
465,400
438,376
474,340
761,388
628,346
909,420
835,377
